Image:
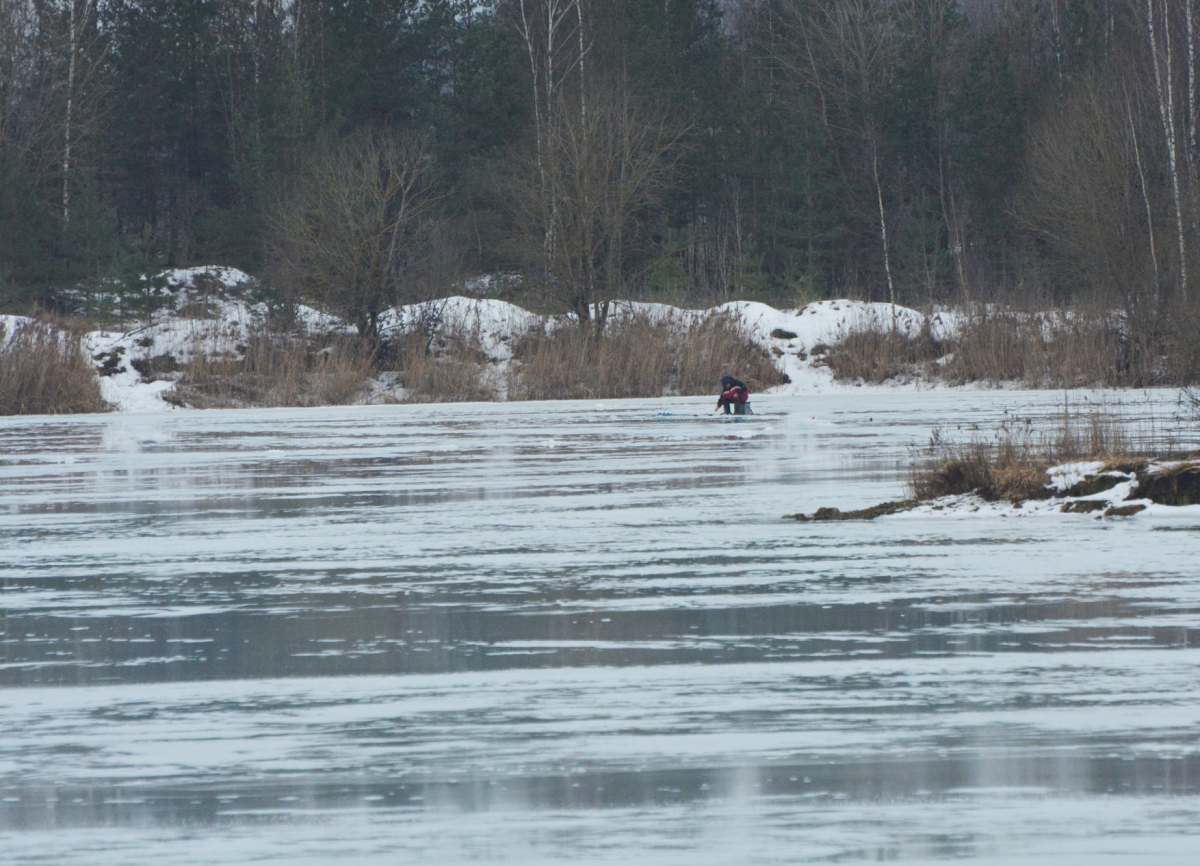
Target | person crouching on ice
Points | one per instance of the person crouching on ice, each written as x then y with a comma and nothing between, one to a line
734,397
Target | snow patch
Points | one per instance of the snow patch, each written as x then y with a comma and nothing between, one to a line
1068,475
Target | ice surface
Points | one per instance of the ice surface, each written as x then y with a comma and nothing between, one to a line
579,632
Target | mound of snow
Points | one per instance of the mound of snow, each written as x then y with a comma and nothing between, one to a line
203,311
494,323
1067,475
793,335
211,311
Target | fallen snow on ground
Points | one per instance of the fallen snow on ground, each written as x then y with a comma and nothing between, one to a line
819,325
1120,501
9,326
191,322
493,322
209,311
1068,475
791,335
972,504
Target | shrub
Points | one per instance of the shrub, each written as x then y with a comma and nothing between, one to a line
1041,350
716,346
880,353
992,472
44,371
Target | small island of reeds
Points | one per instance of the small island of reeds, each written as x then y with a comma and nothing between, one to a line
1090,462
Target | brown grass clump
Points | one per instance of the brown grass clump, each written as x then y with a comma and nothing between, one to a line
44,371
1041,350
881,353
278,371
638,356
1002,473
1013,465
716,346
451,368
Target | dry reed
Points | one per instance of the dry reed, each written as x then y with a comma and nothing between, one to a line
278,371
880,353
44,371
1040,350
638,355
1012,465
450,368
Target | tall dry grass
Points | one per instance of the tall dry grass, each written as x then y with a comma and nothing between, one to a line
716,346
1040,350
44,371
638,355
879,353
1012,464
449,368
278,370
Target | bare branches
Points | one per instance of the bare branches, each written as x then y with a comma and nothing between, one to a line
591,190
353,230
82,65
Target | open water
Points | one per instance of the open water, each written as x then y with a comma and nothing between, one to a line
552,632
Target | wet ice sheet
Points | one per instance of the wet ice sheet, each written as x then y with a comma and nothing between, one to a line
584,627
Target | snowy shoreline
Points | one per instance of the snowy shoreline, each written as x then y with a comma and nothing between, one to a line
196,320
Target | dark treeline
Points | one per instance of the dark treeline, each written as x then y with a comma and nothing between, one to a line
369,151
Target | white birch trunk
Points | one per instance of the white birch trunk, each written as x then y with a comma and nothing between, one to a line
887,260
1191,70
1137,154
527,35
1166,110
582,55
72,47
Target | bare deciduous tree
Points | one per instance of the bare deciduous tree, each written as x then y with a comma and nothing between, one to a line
590,191
351,233
845,53
27,79
1085,196
85,54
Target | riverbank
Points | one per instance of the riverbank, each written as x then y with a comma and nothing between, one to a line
206,338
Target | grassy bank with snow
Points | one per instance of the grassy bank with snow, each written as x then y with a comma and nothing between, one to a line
209,340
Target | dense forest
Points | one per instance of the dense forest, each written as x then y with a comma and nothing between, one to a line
365,152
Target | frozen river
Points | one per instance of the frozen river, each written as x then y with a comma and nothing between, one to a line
552,632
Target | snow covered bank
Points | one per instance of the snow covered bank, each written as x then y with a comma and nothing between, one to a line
212,311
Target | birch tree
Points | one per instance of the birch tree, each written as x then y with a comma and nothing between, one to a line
82,64
845,53
1161,50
